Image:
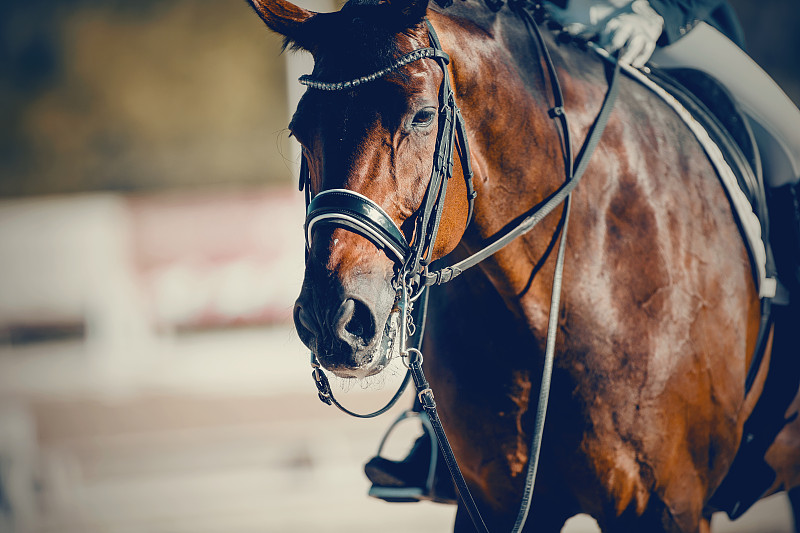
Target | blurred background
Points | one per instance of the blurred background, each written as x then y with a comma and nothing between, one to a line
150,253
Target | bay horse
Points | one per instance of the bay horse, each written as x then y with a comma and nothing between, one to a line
660,312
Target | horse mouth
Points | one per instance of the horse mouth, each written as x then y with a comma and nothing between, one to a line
378,357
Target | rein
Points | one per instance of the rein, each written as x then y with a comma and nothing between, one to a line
351,210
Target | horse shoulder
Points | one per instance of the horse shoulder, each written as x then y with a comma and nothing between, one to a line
659,306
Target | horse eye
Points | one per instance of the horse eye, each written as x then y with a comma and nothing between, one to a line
424,117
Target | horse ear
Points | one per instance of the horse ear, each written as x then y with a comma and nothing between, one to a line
411,11
282,16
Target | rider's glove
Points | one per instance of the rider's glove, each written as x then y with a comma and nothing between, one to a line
631,27
634,32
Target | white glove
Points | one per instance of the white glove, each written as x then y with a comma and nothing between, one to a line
632,27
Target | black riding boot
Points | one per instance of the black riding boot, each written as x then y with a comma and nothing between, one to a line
422,475
784,206
750,476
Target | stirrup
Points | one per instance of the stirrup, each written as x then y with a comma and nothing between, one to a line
410,493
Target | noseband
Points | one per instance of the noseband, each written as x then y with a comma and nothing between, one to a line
355,212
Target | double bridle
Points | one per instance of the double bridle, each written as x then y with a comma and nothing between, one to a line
351,210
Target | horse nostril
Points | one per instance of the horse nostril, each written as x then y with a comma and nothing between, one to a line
355,322
361,324
305,327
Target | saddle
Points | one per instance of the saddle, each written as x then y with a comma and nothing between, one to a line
749,476
713,106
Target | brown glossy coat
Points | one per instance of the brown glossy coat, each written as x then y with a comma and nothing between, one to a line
659,312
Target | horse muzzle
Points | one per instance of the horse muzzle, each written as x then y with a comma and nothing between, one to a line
352,336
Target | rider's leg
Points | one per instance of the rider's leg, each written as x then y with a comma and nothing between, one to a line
776,128
408,479
777,118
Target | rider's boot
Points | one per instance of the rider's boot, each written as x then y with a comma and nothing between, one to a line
411,479
784,208
750,475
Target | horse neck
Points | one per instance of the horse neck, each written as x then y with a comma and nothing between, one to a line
515,145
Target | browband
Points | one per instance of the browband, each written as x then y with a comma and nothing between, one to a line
402,61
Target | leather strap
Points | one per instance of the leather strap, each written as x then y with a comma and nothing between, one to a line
426,399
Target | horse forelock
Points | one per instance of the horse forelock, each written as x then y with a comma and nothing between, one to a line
359,39
363,37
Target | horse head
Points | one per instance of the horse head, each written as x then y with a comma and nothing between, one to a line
376,140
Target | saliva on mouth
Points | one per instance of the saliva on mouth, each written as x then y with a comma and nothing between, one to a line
382,355
389,347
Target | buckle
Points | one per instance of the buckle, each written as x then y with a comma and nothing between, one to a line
323,386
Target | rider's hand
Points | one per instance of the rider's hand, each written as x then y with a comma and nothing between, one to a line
632,27
633,32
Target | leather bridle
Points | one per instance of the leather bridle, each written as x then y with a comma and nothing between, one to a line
356,212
